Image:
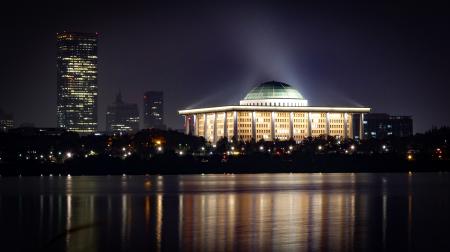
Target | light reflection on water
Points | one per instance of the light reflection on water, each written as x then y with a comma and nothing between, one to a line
338,212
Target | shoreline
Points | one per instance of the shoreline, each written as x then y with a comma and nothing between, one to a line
189,165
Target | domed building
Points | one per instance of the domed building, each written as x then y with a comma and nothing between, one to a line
273,110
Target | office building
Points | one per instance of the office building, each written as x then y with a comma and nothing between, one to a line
77,89
122,117
154,110
381,125
6,121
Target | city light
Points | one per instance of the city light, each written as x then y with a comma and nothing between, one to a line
261,148
319,147
69,154
159,148
352,147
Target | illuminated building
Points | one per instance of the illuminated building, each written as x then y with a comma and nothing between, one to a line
6,121
271,110
76,63
154,110
380,125
122,117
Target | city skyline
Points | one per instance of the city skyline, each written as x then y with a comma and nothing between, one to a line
389,57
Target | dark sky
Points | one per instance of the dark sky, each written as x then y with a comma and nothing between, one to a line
392,58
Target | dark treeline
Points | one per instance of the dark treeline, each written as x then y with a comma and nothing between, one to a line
36,152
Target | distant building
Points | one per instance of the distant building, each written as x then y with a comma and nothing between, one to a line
122,117
154,110
6,121
33,131
76,65
270,111
380,125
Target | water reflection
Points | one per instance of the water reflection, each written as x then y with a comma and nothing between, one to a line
309,212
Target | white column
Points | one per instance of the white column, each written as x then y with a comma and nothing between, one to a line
345,125
235,125
205,128
309,125
195,126
186,124
272,126
361,126
215,128
225,125
327,125
254,125
291,125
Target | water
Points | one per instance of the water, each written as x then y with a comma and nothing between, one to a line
290,212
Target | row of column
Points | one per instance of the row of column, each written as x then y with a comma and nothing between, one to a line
194,131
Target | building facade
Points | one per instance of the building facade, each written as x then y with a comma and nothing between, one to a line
380,125
6,121
271,110
122,117
77,89
154,110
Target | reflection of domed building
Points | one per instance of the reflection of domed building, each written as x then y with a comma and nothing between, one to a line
272,110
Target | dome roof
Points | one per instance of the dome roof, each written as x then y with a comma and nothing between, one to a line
273,90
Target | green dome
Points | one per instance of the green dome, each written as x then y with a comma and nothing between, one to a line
273,90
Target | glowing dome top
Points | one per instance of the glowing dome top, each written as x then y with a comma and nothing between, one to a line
274,93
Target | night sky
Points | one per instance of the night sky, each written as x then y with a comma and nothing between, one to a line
392,58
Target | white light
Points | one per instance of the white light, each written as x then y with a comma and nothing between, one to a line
290,147
68,154
181,153
232,147
159,148
384,147
261,147
123,149
352,147
319,147
203,148
214,146
129,153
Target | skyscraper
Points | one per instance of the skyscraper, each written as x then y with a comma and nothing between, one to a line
122,117
154,110
76,66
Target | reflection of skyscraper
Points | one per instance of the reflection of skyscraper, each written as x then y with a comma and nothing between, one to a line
154,110
122,117
76,64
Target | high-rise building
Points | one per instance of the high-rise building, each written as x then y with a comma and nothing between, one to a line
380,125
6,121
76,66
122,117
154,110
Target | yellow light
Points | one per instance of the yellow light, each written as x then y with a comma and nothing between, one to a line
158,142
410,157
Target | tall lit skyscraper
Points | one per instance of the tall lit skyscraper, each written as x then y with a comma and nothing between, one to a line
122,117
154,110
76,64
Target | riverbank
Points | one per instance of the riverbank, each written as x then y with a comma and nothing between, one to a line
217,164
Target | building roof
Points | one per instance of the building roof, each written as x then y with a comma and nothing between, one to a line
276,109
273,90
